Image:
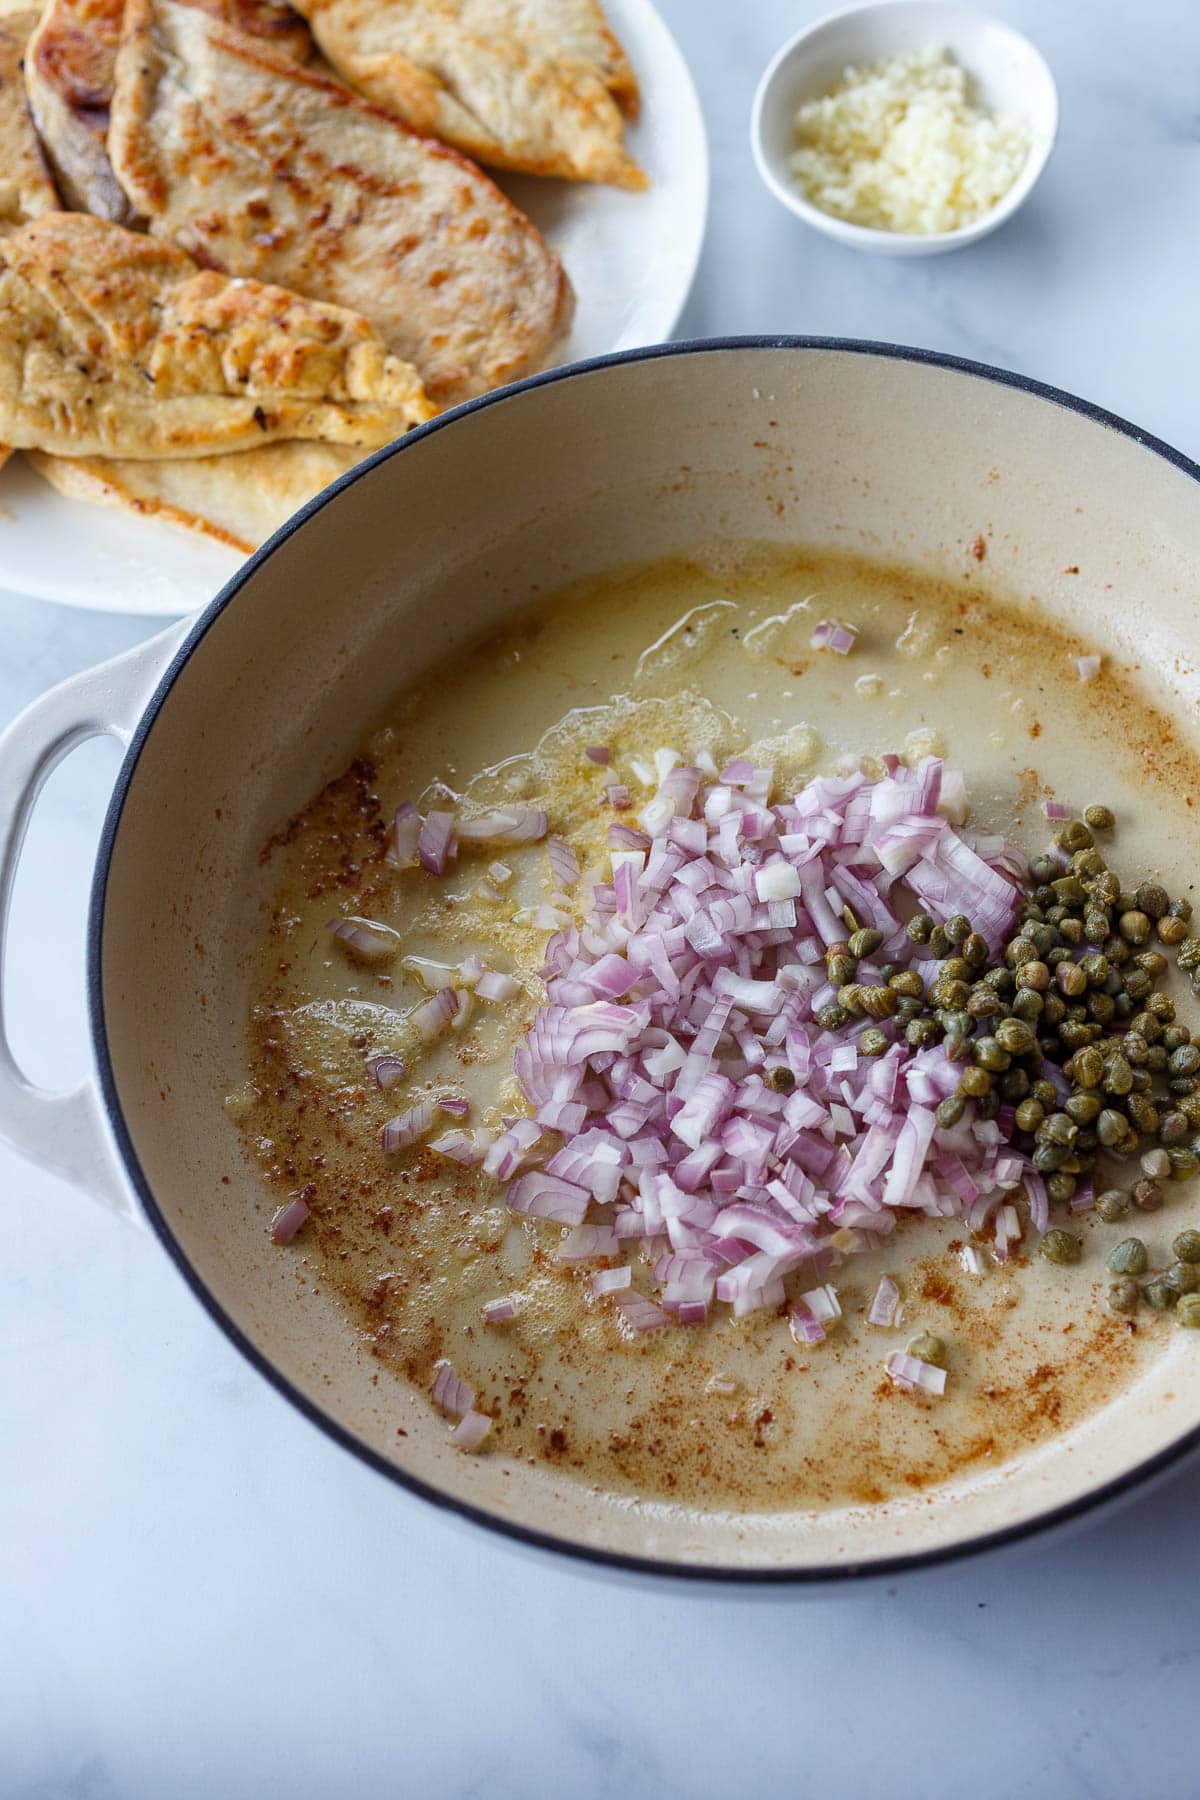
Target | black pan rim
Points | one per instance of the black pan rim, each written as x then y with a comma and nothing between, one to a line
697,1575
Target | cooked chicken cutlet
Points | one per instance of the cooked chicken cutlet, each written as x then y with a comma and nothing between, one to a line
239,500
114,345
538,85
26,188
261,168
69,72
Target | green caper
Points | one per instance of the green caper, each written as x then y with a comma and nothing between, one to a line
1111,1126
873,1042
1087,1068
1087,862
1060,1247
832,1017
920,1031
1095,969
1147,1196
991,1054
1174,1038
1071,980
1060,1186
975,1083
1153,962
1083,1108
1182,1278
1156,1164
1189,954
1015,1037
1045,1092
1160,1006
975,950
1095,926
950,1110
939,943
1070,890
1028,1005
1014,1085
1020,951
1171,931
1172,1129
865,942
1029,1115
1129,1257
1152,899
850,998
1156,1059
1050,1157
984,1002
928,1348
1184,1162
1134,926
908,1010
780,1079
988,1105
1158,1295
1187,1311
1124,1297
1104,888
1075,836
1112,1205
1043,868
1180,909
1186,1246
1185,1060
919,928
1144,1115
841,970
1118,1076
1059,1128
908,985
1099,818
950,996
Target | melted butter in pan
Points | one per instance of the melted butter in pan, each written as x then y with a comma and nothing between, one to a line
711,654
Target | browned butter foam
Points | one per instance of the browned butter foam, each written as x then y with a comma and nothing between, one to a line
713,652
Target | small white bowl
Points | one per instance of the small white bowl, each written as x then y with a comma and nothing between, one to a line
1007,72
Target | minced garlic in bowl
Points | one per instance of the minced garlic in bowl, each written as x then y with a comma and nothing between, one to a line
900,147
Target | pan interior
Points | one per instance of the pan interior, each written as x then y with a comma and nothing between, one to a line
855,452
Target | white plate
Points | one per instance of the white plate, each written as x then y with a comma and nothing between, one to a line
631,258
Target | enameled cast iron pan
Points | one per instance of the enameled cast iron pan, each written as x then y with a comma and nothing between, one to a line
234,723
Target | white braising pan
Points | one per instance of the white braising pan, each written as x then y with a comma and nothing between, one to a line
233,723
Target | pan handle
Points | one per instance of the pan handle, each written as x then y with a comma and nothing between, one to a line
66,1132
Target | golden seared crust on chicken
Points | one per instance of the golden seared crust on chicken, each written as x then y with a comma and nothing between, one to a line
538,85
239,500
265,169
26,187
70,71
114,345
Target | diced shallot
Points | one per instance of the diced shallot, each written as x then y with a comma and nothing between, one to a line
884,1303
366,940
471,1430
910,1372
449,1392
288,1220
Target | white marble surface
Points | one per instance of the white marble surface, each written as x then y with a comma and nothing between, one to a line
199,1596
